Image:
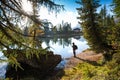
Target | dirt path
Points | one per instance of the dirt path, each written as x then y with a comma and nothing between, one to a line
88,55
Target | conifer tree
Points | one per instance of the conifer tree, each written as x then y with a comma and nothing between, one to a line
92,30
89,23
12,36
106,22
114,37
116,4
11,14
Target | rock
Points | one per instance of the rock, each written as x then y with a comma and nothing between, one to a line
45,62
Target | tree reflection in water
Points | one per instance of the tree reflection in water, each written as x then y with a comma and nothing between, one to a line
61,40
63,45
60,45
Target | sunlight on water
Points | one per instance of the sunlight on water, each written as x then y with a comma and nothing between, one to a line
62,47
3,66
3,69
66,51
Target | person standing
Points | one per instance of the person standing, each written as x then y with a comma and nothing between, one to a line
74,48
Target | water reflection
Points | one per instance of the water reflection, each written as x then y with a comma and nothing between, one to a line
3,67
61,41
63,46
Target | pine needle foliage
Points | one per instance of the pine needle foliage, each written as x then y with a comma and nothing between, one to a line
12,35
90,24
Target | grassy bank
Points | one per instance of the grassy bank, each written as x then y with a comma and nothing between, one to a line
90,70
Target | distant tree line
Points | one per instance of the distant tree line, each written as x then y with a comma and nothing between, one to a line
49,29
62,29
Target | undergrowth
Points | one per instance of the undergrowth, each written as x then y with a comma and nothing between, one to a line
86,71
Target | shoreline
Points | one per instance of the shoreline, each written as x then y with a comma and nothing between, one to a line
87,55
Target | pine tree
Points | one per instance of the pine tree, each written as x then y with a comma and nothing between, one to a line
114,37
90,25
106,22
11,13
11,35
116,6
103,15
93,30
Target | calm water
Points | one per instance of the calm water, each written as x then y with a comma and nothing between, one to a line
61,46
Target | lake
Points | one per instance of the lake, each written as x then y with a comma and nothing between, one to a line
61,46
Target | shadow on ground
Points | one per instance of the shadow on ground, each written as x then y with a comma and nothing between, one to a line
88,61
33,74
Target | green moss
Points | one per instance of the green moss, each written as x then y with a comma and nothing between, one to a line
72,74
114,73
86,71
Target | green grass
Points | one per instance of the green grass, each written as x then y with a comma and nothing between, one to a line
86,71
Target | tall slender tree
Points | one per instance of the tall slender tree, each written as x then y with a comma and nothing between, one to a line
103,15
89,23
115,34
89,20
104,23
116,4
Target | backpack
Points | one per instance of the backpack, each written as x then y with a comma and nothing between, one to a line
75,47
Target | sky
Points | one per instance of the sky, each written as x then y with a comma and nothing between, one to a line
68,15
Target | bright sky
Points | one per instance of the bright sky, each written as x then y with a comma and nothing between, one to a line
69,15
66,16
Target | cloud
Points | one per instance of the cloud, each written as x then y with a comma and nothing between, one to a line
27,6
66,16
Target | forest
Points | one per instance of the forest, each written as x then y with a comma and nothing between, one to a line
23,50
48,30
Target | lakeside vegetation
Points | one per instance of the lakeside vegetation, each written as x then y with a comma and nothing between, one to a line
100,29
101,32
48,30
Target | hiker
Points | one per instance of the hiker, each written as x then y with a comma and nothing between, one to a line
74,48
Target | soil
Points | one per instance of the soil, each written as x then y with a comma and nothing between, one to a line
87,55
